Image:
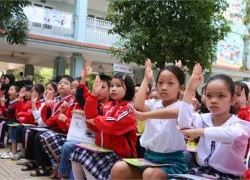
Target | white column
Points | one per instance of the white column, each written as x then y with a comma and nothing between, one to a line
81,11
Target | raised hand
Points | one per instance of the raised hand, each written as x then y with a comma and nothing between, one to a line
86,72
148,70
138,114
63,107
3,100
196,78
48,99
21,93
178,63
33,98
97,86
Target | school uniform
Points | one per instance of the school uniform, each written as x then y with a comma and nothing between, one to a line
115,130
50,116
163,142
221,150
53,141
9,114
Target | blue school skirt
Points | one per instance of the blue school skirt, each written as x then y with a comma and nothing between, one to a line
177,159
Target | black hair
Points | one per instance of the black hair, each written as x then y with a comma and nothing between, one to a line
69,78
178,72
129,83
54,85
17,87
228,81
11,77
39,88
150,87
28,87
105,78
57,79
137,85
242,86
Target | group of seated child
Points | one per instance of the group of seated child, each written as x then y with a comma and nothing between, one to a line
162,126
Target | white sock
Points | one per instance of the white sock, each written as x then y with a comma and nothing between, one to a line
77,170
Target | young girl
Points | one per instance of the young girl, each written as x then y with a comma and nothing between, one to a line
223,137
115,129
37,94
50,114
53,141
69,147
8,111
24,115
163,142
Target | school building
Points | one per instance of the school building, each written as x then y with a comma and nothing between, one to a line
65,32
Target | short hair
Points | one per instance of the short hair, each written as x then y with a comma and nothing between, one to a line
69,78
28,87
105,78
129,83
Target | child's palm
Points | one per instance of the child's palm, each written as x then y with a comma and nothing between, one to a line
22,92
97,86
196,78
88,68
148,70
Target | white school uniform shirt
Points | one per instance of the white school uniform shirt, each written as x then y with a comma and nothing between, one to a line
37,116
230,140
161,135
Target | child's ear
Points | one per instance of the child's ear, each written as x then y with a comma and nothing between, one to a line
233,100
182,88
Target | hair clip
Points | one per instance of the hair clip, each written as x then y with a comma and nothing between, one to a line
123,77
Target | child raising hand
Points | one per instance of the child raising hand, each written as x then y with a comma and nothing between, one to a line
223,137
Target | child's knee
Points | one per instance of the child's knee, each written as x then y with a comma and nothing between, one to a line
118,169
154,173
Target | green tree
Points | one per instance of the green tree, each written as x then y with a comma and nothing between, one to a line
165,31
13,22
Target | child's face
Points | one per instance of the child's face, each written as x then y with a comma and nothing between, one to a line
74,86
64,87
50,90
104,94
168,87
237,104
34,93
2,80
6,80
27,94
218,97
154,95
117,89
13,94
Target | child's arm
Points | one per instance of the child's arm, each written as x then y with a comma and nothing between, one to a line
139,102
117,125
157,114
91,104
186,117
232,134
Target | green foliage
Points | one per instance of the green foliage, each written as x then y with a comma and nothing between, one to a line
13,22
165,31
246,18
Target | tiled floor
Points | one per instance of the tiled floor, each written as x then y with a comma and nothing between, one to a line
10,171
